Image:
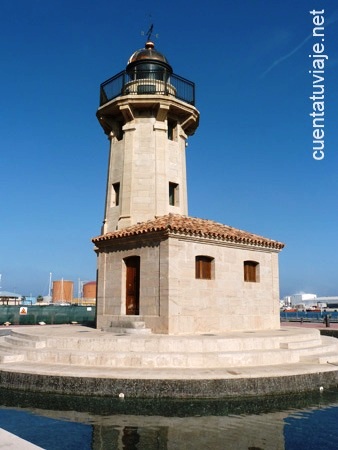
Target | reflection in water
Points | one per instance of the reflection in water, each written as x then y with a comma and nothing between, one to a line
130,438
278,423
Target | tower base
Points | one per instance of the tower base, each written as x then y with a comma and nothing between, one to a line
77,360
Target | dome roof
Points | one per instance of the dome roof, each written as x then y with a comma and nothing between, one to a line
148,54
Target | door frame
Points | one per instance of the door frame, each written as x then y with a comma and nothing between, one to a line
132,295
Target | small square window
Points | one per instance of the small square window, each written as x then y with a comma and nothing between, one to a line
251,272
119,131
115,195
172,129
173,194
204,266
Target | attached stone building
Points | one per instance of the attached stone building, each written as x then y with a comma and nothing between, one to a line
157,265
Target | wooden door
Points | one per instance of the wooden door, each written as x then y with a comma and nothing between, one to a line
132,285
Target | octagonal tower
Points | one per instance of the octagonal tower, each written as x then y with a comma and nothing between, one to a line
147,113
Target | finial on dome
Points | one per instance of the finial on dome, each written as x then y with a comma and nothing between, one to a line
149,44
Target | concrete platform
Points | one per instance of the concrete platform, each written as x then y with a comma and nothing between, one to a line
71,359
9,441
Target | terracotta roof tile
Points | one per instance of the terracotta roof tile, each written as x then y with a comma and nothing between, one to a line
177,224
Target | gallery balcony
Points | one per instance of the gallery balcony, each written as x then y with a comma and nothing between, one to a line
150,82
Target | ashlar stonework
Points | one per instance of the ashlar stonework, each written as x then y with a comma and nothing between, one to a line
158,268
171,299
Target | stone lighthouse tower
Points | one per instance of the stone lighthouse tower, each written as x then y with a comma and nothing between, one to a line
147,112
159,270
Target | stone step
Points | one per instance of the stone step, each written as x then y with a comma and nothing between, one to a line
137,342
138,354
321,358
320,349
11,357
24,342
8,348
8,354
162,360
27,336
128,322
128,325
327,345
126,330
154,343
135,324
138,351
301,344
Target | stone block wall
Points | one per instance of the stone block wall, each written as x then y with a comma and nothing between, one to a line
173,301
226,302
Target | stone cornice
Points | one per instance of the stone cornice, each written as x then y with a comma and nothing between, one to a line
125,106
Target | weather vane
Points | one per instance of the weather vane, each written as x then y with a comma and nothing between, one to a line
149,32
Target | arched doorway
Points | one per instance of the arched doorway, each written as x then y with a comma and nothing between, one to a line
132,285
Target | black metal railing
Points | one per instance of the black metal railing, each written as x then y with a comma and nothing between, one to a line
147,83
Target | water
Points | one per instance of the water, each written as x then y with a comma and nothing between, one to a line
307,421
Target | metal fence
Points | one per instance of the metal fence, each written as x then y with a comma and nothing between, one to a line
306,316
50,315
147,83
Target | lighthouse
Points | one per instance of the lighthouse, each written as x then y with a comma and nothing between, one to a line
158,269
147,113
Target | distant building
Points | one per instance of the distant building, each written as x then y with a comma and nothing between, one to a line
308,300
10,298
28,300
89,293
331,302
62,291
302,298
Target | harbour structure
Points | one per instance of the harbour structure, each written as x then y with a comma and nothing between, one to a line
330,301
158,267
89,290
10,298
62,291
191,305
310,300
89,293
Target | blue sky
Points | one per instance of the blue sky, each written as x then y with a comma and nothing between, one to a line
249,164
